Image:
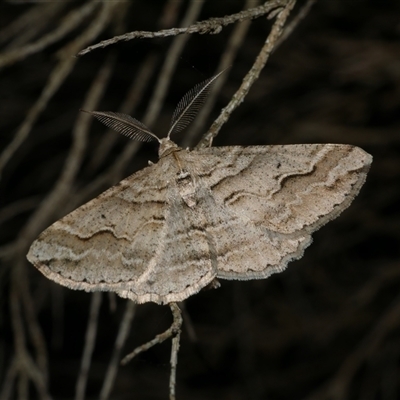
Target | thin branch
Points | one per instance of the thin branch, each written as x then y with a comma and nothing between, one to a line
34,329
9,379
10,211
30,24
149,117
71,21
57,77
90,341
171,331
111,175
136,91
124,329
294,22
251,76
57,316
63,186
211,26
27,369
232,48
134,95
171,60
176,324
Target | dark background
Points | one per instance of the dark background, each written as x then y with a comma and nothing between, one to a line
328,327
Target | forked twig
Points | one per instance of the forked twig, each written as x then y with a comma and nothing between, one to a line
173,331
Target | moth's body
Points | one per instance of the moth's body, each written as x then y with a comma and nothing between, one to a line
168,230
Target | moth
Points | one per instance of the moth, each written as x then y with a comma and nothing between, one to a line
172,228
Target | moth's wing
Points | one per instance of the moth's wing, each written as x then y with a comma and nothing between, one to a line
185,260
112,242
271,198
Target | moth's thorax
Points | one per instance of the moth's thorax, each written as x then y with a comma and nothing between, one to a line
167,146
183,179
187,187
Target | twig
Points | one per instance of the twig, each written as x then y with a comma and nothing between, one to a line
57,77
157,98
134,95
294,22
57,316
26,367
9,378
169,66
90,341
30,24
123,332
210,26
173,331
63,186
34,329
176,330
71,21
170,13
18,207
113,174
251,76
232,48
112,301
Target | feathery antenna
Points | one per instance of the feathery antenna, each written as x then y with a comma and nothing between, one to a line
125,124
184,114
190,105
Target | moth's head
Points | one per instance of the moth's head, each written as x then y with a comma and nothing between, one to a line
167,146
183,115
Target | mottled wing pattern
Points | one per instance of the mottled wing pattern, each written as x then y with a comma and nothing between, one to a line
185,260
124,241
229,212
267,200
